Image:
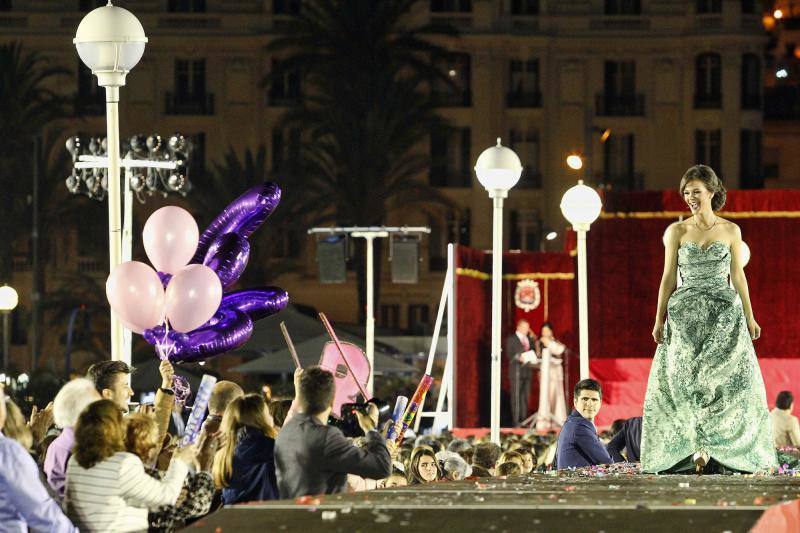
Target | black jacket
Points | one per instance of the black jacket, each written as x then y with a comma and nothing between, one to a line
253,477
312,458
629,438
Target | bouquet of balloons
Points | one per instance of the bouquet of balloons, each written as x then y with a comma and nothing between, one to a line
182,307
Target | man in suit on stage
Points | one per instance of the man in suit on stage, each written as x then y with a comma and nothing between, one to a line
519,373
578,443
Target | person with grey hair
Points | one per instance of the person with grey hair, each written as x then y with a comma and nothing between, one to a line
454,467
70,401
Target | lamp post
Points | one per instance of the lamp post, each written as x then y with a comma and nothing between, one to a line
8,301
110,41
581,206
498,169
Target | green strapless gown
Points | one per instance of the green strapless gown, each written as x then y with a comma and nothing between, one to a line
705,391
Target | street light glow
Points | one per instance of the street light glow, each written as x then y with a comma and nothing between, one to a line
8,298
782,73
574,161
551,236
778,14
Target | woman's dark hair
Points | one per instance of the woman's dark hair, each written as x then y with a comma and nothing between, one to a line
709,178
587,384
784,400
279,409
486,454
99,433
413,476
509,469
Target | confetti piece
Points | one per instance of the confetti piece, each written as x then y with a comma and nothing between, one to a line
329,515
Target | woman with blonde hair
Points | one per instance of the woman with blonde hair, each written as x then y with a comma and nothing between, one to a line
244,467
107,487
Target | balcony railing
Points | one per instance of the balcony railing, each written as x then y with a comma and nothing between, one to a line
451,98
189,104
707,101
524,99
615,105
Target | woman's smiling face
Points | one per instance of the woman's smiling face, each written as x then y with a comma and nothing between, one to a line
697,196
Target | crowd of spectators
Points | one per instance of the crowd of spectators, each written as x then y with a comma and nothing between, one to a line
86,462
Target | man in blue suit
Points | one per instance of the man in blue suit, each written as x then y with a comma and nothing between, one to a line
578,444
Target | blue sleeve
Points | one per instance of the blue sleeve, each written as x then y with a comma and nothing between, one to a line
591,446
616,446
19,477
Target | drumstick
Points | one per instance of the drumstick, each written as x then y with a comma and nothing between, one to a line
290,344
335,340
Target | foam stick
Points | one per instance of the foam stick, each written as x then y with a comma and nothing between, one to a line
290,344
335,340
414,405
399,408
198,410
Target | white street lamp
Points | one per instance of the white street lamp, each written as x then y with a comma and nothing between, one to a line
498,169
581,206
110,41
8,302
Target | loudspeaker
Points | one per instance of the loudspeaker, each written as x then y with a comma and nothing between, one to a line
405,260
331,257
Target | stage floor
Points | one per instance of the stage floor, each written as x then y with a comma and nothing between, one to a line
546,503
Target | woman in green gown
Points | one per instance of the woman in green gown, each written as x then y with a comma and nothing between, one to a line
705,403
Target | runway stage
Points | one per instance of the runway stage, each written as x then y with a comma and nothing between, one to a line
572,503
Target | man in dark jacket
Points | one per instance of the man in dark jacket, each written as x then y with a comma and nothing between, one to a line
578,443
312,457
629,439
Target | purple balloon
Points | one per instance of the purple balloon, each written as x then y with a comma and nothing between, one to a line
227,330
227,256
243,216
164,277
258,302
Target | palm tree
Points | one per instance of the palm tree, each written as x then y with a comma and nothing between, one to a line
366,110
228,179
27,106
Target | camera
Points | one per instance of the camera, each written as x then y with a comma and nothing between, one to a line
348,421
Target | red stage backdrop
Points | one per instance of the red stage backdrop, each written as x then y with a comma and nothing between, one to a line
546,293
626,259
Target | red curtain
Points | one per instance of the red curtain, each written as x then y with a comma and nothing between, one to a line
626,259
552,275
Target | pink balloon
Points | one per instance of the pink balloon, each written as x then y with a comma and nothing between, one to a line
136,295
193,296
170,238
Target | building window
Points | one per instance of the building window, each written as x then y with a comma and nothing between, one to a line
618,165
91,98
526,230
748,7
623,7
390,316
453,228
708,81
451,6
285,91
287,244
751,82
524,84
92,231
450,157
19,326
751,172
286,7
708,7
524,7
186,6
190,96
458,92
83,5
6,5
285,148
197,161
458,226
708,148
418,319
619,96
526,145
